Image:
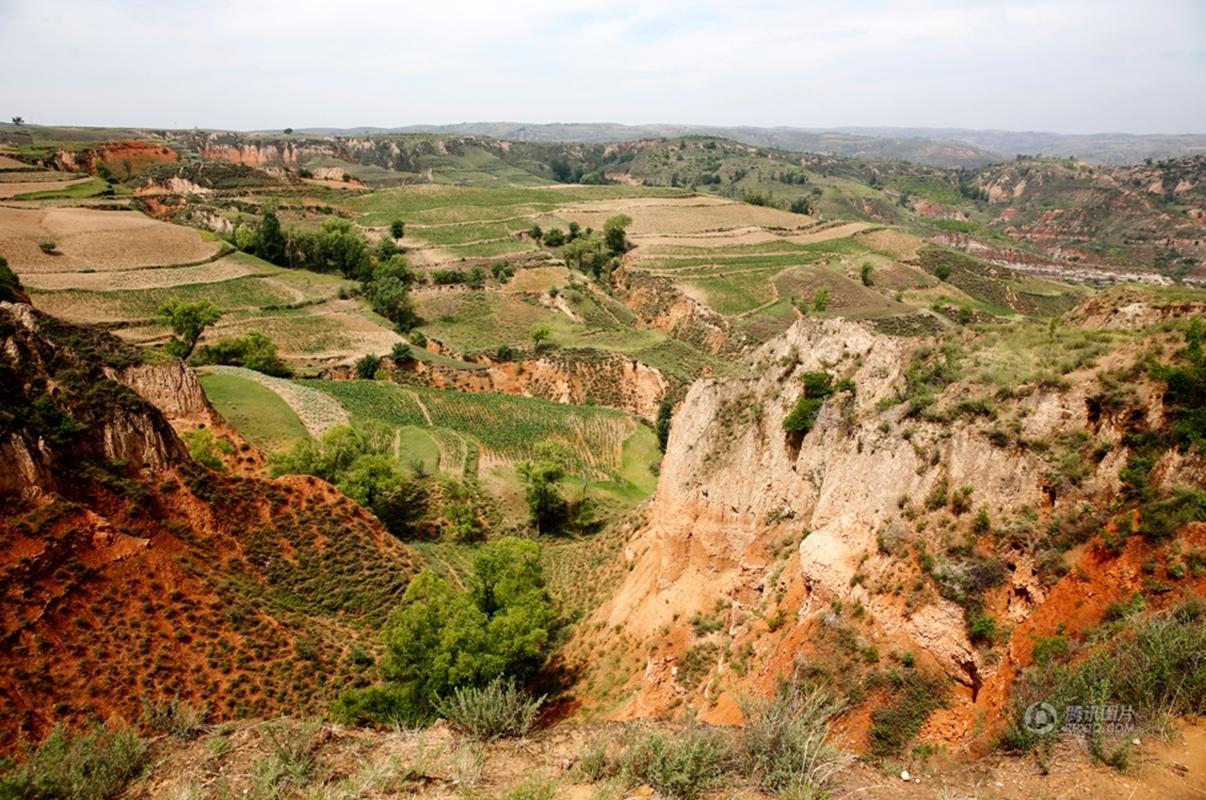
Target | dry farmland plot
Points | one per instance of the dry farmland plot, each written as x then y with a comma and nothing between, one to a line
238,282
233,266
87,239
338,331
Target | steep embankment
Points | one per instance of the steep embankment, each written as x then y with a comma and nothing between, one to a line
935,490
131,572
577,377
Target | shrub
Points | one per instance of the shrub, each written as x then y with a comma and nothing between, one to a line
10,284
366,367
498,709
174,717
443,638
865,273
820,300
982,629
938,496
782,746
253,351
96,764
1152,663
686,765
49,248
203,447
893,726
961,500
818,387
401,353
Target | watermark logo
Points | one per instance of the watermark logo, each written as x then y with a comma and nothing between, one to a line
1041,718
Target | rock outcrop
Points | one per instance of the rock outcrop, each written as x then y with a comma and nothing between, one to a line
859,496
585,377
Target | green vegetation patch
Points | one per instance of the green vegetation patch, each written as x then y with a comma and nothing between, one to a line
257,412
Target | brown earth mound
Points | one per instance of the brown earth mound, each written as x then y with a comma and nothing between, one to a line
131,573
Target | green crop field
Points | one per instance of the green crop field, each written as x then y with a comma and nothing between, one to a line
257,412
508,425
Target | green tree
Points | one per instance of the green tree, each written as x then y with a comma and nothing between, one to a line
246,238
614,233
820,300
369,478
662,427
542,494
554,237
387,290
397,229
865,273
536,233
343,249
441,638
540,333
187,321
253,350
800,206
270,240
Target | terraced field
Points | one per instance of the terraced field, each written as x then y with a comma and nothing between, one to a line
52,240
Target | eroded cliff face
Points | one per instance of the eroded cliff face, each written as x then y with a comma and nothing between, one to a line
123,159
660,305
59,406
606,380
763,533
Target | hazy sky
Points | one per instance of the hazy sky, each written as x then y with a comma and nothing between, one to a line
1067,66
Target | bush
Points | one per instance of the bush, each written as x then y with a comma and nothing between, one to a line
10,284
498,709
442,638
401,353
686,765
782,746
818,387
1152,663
174,717
253,351
982,629
894,726
96,764
366,367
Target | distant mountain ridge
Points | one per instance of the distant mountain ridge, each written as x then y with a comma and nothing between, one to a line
948,147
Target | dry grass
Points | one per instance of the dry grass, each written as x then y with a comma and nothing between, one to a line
223,269
97,240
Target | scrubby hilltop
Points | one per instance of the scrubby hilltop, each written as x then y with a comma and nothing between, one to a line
131,572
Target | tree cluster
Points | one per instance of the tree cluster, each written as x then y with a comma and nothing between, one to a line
443,638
